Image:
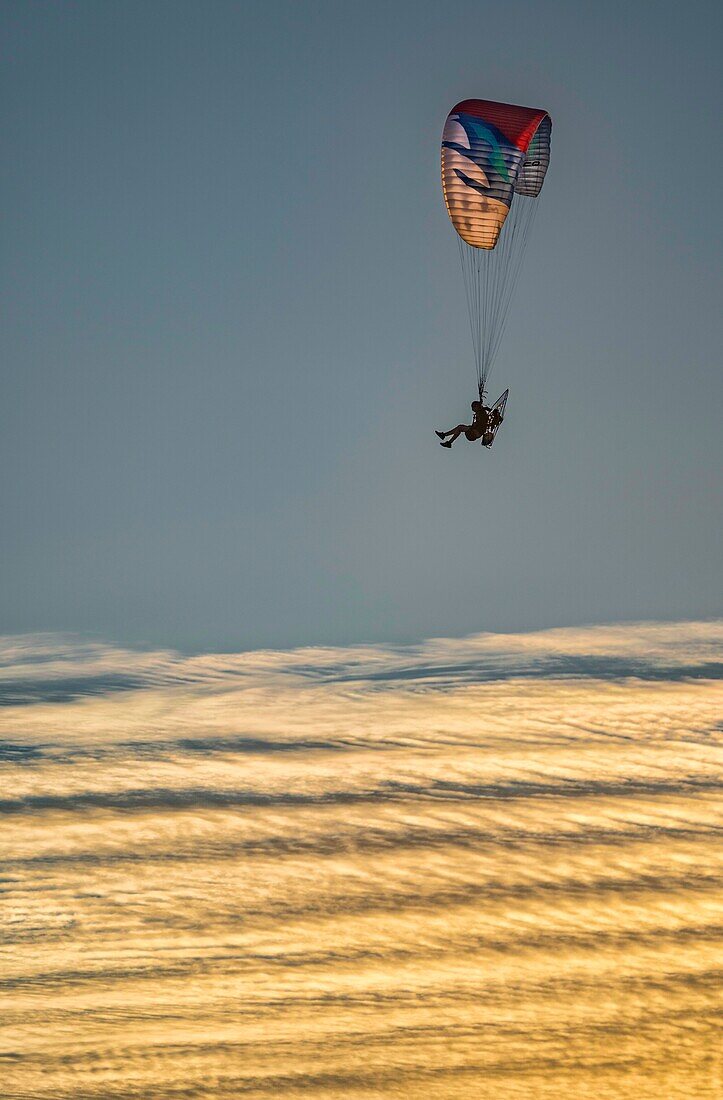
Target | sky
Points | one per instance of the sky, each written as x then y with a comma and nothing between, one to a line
487,866
233,315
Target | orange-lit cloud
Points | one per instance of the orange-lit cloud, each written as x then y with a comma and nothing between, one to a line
480,867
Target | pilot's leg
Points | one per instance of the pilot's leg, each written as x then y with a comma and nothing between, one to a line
454,434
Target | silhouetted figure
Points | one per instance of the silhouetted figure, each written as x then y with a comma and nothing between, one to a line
472,432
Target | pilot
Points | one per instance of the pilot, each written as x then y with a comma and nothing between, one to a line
473,431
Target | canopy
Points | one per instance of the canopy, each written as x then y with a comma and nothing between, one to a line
490,151
494,160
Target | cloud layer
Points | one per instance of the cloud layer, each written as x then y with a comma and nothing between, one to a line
486,866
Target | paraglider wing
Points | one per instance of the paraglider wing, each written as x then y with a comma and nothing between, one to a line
494,160
489,152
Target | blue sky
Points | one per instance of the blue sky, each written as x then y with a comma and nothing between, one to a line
233,315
